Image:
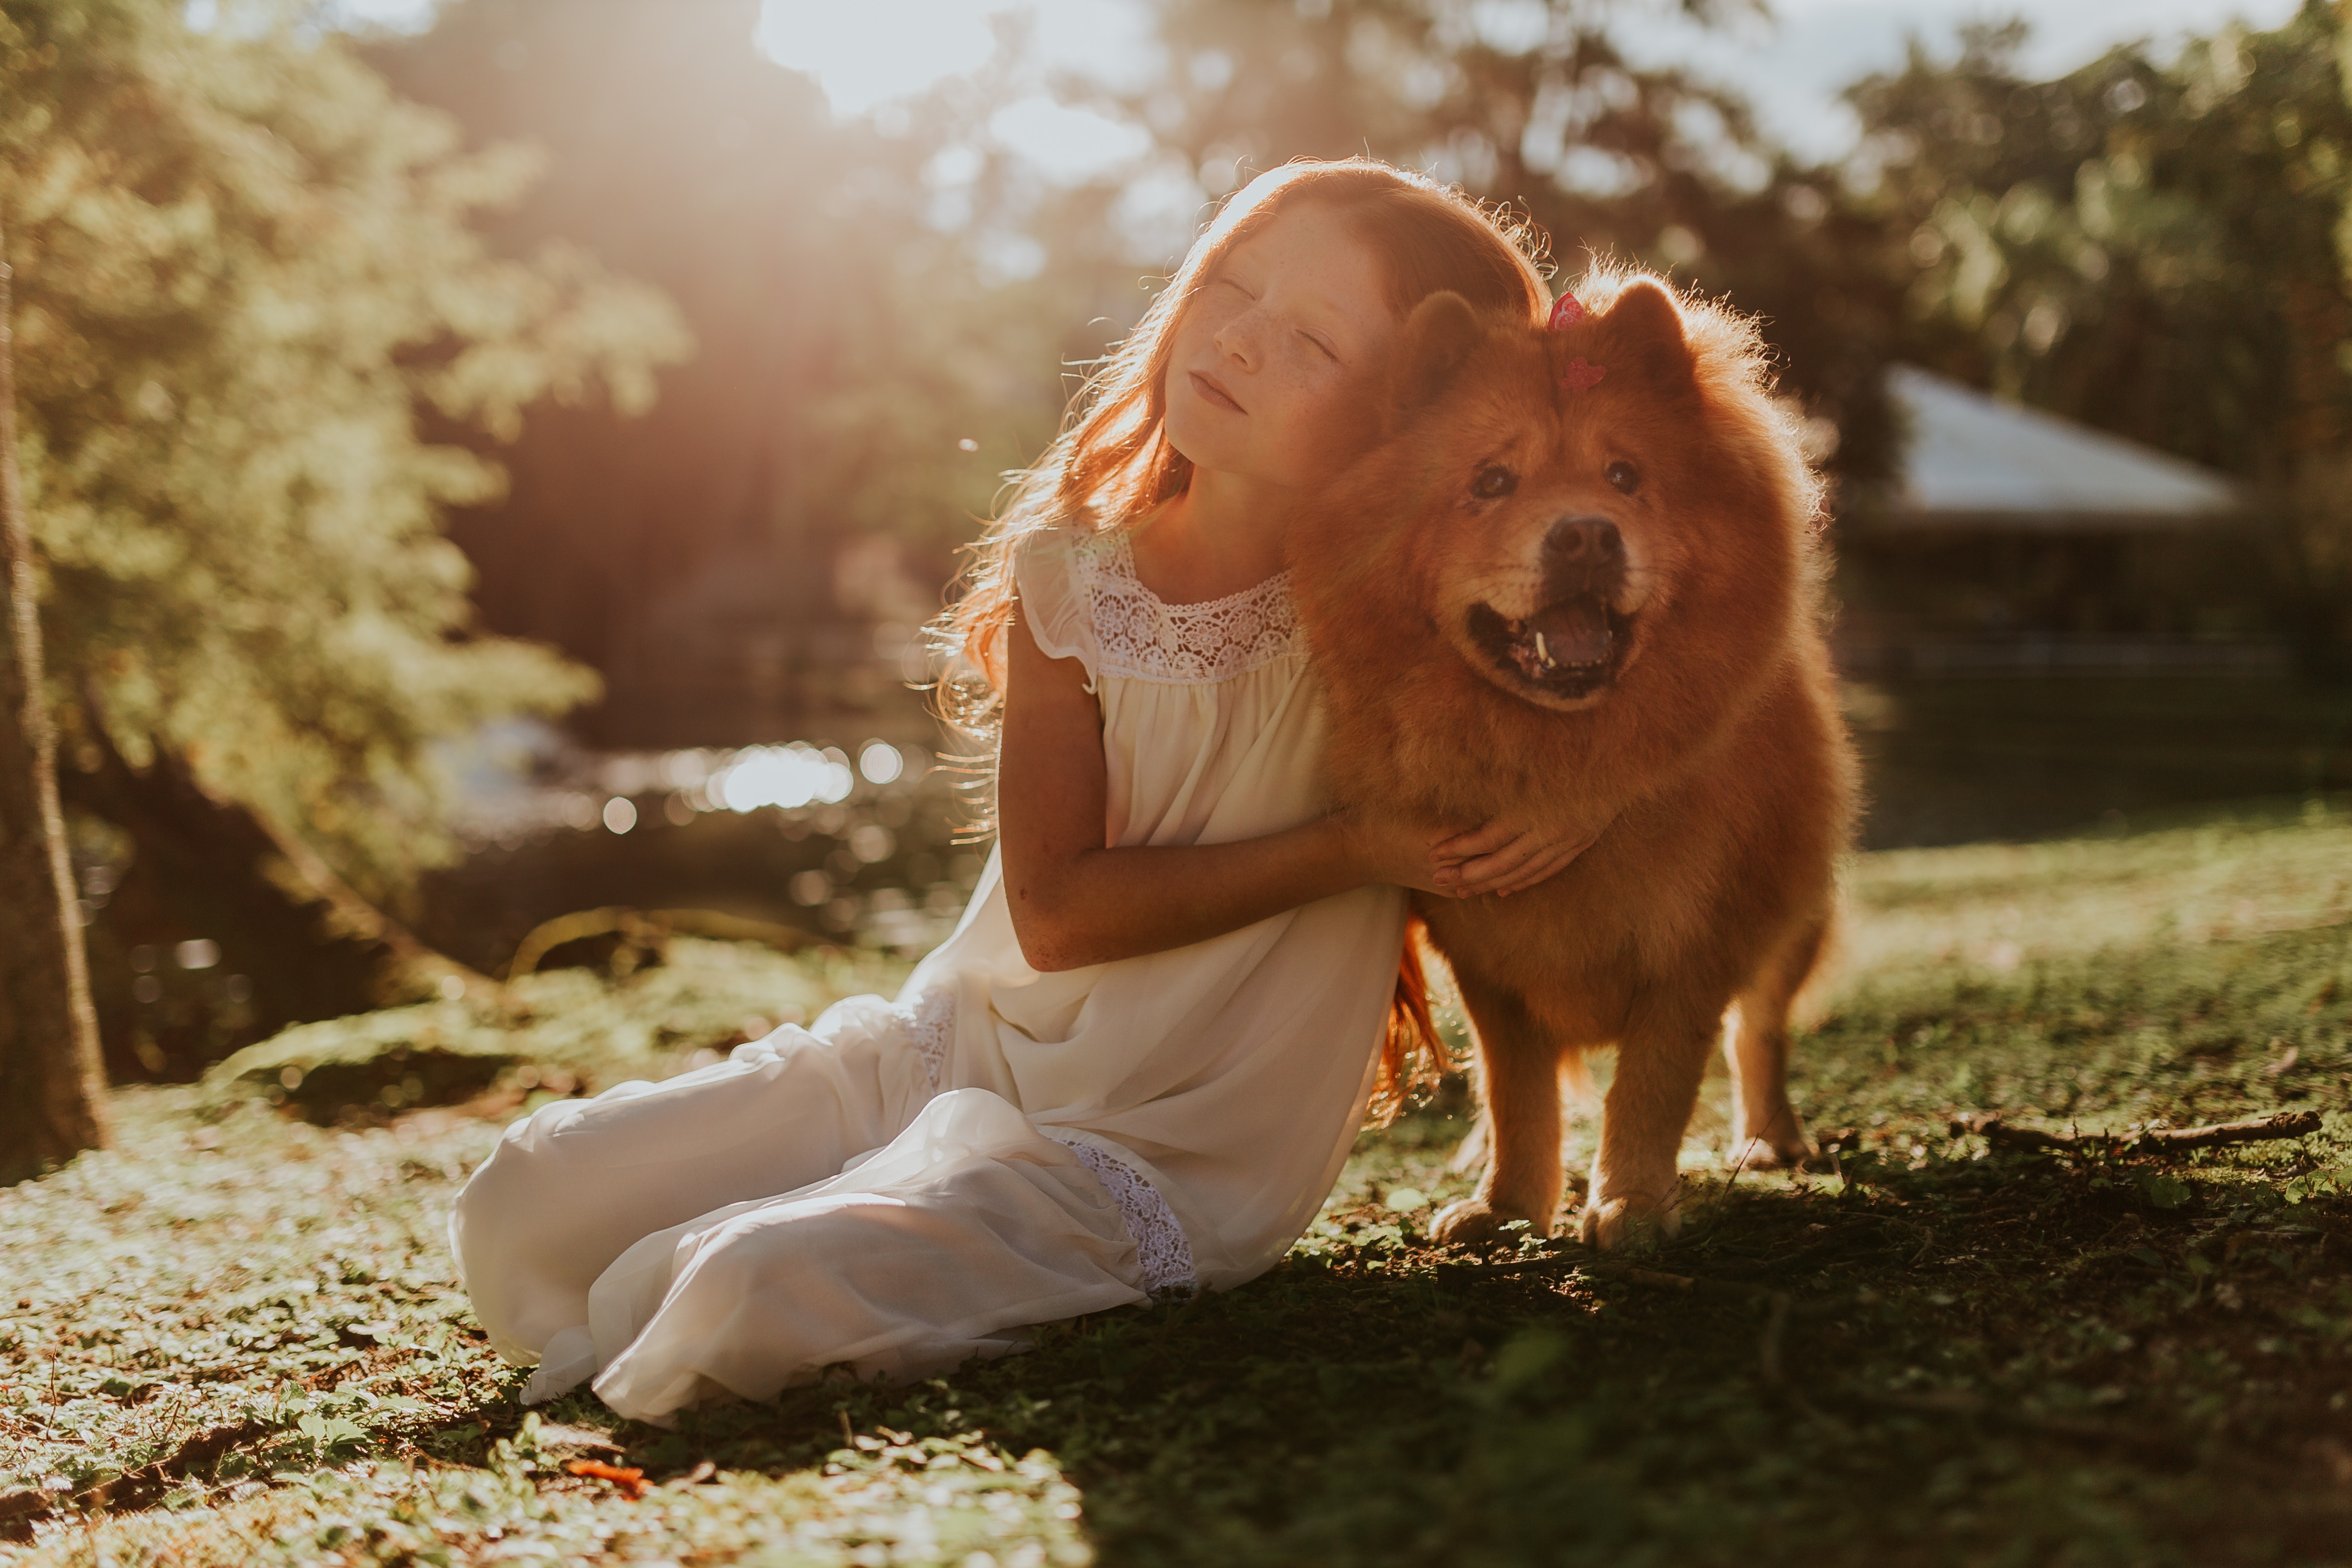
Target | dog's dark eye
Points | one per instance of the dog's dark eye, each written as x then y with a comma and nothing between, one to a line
1493,481
1624,476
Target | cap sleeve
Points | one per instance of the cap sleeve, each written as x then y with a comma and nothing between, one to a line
1049,568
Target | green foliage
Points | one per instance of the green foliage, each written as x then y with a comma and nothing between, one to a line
1546,110
2147,247
242,263
1934,1354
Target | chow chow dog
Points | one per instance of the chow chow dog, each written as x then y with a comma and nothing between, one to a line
1574,575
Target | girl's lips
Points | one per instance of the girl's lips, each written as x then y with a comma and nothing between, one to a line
1212,391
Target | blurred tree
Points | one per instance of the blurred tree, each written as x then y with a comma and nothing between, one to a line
863,368
242,265
52,1085
2158,249
1534,104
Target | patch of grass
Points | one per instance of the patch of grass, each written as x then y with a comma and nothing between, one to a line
1936,1354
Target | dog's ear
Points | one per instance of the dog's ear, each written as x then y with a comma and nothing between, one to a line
1645,332
1438,337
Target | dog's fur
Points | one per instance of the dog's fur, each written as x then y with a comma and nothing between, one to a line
1694,728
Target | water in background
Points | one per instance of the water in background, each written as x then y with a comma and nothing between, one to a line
857,840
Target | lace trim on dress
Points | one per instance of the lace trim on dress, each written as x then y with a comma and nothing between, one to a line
1187,645
1161,1247
930,1023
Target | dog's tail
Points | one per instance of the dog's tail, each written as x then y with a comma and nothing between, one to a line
1413,1058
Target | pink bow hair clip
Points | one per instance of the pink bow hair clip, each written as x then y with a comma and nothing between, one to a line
1580,376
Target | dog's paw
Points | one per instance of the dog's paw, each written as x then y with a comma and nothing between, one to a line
1466,1222
1631,1223
1775,1154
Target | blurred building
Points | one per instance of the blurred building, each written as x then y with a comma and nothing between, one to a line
2013,540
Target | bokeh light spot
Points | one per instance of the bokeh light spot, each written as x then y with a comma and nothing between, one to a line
875,50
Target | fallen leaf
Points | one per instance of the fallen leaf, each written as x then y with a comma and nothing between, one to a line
630,1482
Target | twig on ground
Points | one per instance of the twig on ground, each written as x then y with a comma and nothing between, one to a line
2163,1141
1723,1197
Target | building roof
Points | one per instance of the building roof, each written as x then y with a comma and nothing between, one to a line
1974,461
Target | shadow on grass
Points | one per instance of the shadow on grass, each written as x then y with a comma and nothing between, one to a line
1984,1360
1977,1357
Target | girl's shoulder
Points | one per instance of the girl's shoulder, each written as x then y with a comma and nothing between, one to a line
1082,592
1054,570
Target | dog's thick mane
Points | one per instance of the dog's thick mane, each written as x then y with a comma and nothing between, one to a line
1731,631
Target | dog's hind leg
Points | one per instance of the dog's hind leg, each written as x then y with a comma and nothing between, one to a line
1765,1129
1518,1094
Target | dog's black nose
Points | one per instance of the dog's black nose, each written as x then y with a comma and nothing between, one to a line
1588,543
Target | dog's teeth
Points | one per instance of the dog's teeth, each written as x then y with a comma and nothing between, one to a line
1542,652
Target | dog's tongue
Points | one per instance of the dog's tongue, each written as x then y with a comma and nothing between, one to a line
1573,632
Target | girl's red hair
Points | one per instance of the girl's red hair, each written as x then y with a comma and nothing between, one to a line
1112,463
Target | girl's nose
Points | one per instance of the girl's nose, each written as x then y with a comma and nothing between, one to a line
1238,339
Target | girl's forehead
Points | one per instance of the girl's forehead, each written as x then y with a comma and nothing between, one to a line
1317,248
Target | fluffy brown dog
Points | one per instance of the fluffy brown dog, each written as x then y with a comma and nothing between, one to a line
1545,592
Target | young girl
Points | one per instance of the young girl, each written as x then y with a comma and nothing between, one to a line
1140,1060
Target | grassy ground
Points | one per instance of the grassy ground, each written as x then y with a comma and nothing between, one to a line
237,1338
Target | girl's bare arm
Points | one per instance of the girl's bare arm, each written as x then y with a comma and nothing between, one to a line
1075,902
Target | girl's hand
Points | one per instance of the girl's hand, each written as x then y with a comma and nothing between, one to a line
1389,849
1505,858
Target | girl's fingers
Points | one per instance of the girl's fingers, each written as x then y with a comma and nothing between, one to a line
1504,862
1516,873
1490,871
1558,862
1543,873
1483,839
1498,871
1480,864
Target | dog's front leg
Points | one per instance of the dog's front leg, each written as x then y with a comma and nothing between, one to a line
1636,1185
1518,1091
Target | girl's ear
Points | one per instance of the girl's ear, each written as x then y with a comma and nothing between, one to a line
1643,330
1438,337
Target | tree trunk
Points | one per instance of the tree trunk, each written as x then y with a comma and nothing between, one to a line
52,1084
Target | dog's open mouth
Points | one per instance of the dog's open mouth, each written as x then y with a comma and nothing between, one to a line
1568,648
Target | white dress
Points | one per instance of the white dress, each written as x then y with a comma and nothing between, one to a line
902,1186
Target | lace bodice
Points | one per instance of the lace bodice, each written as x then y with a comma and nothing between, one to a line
1145,638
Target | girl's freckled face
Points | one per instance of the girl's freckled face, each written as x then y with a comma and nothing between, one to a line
1274,350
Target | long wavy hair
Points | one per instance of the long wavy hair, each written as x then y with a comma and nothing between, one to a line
1112,463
